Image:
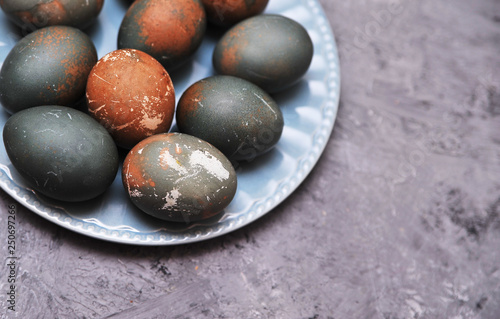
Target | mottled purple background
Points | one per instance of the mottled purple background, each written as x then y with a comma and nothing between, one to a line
399,219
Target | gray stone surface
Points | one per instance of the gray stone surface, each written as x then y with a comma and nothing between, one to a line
399,219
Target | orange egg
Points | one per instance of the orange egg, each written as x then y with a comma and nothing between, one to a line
131,94
229,12
169,30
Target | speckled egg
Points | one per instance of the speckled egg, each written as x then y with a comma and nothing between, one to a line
46,67
61,152
236,116
34,14
178,177
169,30
271,51
226,13
131,94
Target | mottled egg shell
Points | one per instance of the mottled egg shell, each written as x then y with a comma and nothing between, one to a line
131,94
234,115
34,14
61,152
271,51
229,12
177,177
47,67
169,30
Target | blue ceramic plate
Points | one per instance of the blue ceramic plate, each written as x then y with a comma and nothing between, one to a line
309,110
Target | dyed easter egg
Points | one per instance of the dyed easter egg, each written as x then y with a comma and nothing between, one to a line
49,66
229,12
271,51
34,14
236,116
169,30
131,94
178,177
61,152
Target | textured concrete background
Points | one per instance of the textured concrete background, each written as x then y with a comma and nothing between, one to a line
399,219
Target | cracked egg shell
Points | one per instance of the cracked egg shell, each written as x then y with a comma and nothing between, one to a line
226,13
61,152
169,30
236,116
49,66
34,14
179,178
131,95
269,50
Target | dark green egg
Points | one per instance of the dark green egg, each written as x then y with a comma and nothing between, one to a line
61,152
234,115
271,51
178,177
49,66
34,14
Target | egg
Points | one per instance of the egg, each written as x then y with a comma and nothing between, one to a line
131,94
169,30
178,178
61,152
236,116
229,12
34,14
269,50
48,66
